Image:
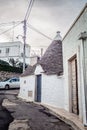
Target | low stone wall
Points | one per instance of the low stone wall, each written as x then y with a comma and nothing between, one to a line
5,75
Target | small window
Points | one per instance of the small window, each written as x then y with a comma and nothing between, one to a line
24,81
7,50
17,80
0,51
12,80
21,54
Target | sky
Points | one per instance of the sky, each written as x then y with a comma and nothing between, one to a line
48,16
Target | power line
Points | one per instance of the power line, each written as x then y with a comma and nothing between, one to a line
39,46
31,2
30,9
36,30
10,28
9,23
25,28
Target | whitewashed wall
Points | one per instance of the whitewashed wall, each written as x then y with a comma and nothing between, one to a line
72,46
15,50
38,70
52,90
27,84
85,55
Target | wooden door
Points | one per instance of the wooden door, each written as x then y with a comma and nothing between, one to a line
74,84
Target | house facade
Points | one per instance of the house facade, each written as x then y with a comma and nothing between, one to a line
43,82
75,67
58,83
14,50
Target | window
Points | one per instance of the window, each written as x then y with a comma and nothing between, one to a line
0,51
21,54
18,80
14,80
7,50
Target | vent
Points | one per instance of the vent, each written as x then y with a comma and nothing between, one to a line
29,93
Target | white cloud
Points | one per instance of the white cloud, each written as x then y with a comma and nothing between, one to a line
48,16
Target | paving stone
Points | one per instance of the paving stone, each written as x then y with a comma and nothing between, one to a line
19,125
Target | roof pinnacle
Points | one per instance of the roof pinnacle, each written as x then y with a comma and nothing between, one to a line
58,36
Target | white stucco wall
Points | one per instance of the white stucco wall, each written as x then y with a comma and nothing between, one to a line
52,90
85,55
15,50
38,70
72,46
27,84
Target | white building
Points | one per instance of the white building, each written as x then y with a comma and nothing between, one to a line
43,82
14,50
75,67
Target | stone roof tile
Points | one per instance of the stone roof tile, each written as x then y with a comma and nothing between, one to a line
51,61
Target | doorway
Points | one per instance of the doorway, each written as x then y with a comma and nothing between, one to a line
38,87
74,86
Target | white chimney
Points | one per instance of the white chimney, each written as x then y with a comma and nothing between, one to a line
58,37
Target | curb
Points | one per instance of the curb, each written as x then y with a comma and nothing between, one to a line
75,125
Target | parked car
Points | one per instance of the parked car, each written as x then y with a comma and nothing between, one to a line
10,83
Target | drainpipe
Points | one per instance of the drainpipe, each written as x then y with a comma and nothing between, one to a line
83,37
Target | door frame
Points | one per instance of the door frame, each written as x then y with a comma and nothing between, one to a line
70,83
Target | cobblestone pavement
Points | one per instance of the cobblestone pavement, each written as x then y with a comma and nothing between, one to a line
37,116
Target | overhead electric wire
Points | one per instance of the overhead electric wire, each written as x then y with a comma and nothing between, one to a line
10,28
8,23
30,9
36,30
31,2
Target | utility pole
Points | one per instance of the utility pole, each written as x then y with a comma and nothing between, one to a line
24,39
24,28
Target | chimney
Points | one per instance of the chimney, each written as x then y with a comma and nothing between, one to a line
41,52
58,37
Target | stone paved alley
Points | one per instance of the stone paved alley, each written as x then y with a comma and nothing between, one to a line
28,116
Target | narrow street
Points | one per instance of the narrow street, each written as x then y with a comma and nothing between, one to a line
35,116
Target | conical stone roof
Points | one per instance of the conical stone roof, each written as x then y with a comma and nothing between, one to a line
52,62
29,71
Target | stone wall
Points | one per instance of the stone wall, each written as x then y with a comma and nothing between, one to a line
6,75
